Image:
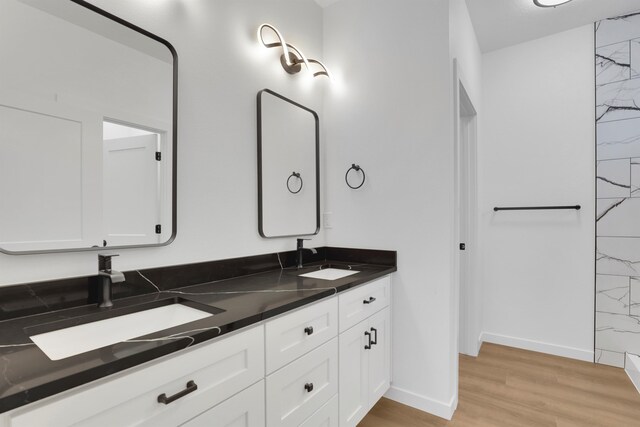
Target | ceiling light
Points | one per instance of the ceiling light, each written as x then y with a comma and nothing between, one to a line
550,3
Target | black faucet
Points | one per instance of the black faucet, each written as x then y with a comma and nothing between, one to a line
107,278
300,249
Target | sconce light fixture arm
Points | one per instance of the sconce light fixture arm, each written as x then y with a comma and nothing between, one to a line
279,43
292,58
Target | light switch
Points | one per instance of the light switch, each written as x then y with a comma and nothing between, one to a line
327,219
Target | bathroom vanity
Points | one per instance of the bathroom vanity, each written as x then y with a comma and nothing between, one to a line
269,340
284,348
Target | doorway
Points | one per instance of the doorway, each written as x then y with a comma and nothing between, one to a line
469,296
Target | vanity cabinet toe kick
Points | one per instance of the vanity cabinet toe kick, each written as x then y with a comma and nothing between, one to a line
307,367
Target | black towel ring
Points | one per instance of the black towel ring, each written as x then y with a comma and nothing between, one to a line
356,168
297,175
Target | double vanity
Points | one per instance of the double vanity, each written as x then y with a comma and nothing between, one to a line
258,341
253,341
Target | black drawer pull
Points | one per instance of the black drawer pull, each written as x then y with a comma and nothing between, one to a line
368,346
308,387
369,301
191,387
308,330
375,340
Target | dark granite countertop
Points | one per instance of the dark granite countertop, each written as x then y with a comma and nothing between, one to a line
268,290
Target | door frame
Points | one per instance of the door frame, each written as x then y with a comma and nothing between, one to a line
467,329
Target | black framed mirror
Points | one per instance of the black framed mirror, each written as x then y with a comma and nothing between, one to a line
288,167
88,130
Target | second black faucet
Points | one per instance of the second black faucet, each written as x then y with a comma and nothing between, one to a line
300,248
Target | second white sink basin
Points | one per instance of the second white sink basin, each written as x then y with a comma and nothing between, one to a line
329,274
79,339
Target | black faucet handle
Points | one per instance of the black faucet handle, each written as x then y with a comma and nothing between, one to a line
104,261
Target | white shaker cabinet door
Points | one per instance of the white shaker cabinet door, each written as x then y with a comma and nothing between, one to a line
302,387
245,409
354,375
327,416
379,355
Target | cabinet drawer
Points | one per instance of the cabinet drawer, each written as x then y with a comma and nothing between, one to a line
219,369
295,334
327,416
290,398
360,303
245,409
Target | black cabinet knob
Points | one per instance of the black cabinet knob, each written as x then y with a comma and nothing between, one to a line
308,387
308,330
369,301
368,335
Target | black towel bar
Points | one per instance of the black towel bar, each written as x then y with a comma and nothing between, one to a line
536,208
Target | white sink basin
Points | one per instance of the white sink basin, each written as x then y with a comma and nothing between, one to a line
79,339
329,274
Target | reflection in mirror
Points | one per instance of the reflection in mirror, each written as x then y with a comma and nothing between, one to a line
288,167
132,177
87,130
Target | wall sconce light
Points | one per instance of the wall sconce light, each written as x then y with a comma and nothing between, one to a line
292,58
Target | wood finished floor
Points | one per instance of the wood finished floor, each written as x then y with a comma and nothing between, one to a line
505,386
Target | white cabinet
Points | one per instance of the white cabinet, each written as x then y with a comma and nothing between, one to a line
292,335
291,371
365,371
205,376
365,366
379,355
327,416
361,302
245,409
354,375
299,389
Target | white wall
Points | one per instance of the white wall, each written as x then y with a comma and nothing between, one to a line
466,300
538,149
465,48
222,67
87,69
390,111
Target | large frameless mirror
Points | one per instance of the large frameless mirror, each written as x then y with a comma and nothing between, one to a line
288,167
87,130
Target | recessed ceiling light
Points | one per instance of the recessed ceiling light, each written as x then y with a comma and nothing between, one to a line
550,3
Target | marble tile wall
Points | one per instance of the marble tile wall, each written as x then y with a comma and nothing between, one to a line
617,59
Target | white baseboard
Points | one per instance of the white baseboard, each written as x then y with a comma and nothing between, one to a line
423,403
632,368
538,346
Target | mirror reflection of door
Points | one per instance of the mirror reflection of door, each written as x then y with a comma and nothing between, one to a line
50,175
132,182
